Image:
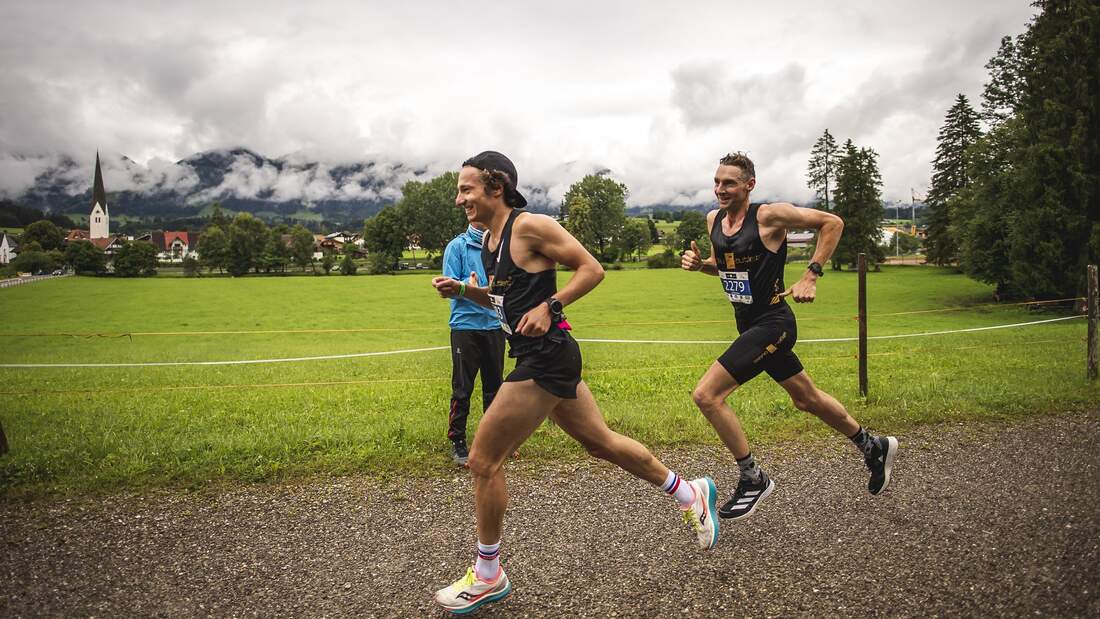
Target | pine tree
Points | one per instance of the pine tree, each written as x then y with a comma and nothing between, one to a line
982,211
950,174
821,172
1036,190
1057,230
858,201
1001,95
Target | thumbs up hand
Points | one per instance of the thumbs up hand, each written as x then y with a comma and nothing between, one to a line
473,279
692,260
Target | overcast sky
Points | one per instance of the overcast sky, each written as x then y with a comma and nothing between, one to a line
654,91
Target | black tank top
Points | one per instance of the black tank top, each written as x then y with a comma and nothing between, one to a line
514,292
751,275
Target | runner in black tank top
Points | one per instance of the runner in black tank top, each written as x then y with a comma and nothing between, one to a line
751,276
552,360
521,254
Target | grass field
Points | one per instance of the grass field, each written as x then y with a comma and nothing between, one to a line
100,429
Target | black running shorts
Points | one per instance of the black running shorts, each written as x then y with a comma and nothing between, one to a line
556,368
764,345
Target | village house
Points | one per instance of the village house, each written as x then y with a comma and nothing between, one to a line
172,246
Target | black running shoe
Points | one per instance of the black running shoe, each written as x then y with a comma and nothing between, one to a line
459,453
747,496
880,461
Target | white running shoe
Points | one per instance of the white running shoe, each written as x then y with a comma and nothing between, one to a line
702,511
469,593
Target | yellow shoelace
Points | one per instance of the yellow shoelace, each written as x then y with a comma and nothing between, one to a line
689,518
465,581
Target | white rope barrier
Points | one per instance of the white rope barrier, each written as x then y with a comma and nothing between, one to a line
433,348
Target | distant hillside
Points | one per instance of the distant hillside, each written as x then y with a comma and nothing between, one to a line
284,189
289,189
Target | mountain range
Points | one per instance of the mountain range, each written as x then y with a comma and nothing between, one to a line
284,189
289,189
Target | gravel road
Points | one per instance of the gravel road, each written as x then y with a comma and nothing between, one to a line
981,520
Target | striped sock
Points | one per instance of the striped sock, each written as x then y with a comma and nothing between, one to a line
679,489
488,561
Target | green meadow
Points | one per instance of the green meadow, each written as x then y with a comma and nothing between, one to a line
100,429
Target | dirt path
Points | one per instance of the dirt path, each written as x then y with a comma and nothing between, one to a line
982,520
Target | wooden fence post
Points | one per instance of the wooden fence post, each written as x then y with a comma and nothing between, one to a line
862,264
1094,346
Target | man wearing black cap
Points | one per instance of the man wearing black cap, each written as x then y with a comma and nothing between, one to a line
521,251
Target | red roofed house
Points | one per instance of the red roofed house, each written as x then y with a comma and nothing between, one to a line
172,246
77,235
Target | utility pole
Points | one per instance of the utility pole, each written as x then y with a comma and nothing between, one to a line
913,210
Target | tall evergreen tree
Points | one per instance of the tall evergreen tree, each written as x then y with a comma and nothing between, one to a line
858,201
985,208
1001,95
950,174
1037,172
982,211
1057,230
821,172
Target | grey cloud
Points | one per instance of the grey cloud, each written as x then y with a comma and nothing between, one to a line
707,96
352,81
18,173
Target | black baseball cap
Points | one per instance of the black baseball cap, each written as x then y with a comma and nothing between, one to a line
492,160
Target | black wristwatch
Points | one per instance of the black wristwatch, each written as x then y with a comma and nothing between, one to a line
815,268
556,309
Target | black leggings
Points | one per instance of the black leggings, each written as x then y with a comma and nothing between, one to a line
764,345
471,352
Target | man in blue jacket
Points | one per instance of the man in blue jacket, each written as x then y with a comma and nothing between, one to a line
477,343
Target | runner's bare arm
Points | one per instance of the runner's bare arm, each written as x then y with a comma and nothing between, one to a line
449,288
781,216
545,236
787,216
692,260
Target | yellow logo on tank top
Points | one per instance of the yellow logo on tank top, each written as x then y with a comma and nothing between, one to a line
731,260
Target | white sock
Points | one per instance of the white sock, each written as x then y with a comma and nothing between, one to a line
679,489
488,560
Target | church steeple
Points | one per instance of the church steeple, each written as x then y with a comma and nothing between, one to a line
99,194
99,222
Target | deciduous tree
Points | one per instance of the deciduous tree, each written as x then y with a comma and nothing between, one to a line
607,209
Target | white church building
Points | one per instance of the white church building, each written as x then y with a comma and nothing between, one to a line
171,246
99,221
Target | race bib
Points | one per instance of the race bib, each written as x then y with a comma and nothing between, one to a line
736,286
498,306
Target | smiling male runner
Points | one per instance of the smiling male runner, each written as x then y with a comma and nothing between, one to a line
521,251
749,252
